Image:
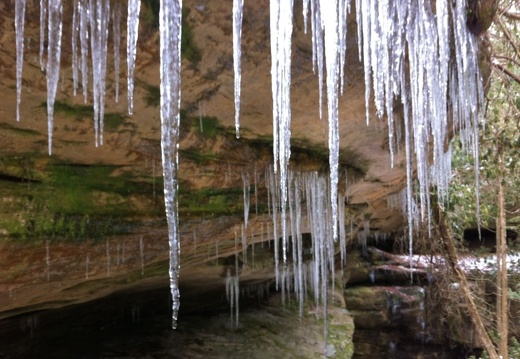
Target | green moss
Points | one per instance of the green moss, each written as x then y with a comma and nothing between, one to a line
112,120
153,96
150,13
71,202
189,49
208,127
199,157
211,201
306,151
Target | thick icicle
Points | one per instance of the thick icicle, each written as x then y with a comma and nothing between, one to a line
84,31
19,25
317,49
53,61
281,32
170,25
74,43
134,7
238,7
330,10
116,32
43,31
393,33
99,18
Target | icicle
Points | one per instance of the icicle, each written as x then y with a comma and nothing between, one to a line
43,31
47,260
247,197
256,192
170,25
141,251
317,50
342,234
107,248
19,25
243,233
53,61
281,32
74,43
305,13
116,32
134,7
238,6
87,260
99,18
84,20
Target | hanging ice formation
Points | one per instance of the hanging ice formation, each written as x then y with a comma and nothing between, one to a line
247,197
54,13
134,7
298,275
281,32
99,18
406,47
238,7
395,35
19,25
116,32
170,24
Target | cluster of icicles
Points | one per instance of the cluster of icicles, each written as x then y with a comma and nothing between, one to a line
422,56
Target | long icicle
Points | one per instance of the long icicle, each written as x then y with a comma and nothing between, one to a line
19,25
238,7
134,7
170,25
116,31
53,62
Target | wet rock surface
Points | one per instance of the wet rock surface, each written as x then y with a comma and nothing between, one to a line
135,324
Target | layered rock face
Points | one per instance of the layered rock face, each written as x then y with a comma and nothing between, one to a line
212,161
89,221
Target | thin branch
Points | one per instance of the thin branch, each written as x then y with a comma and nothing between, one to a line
506,32
506,71
507,58
511,15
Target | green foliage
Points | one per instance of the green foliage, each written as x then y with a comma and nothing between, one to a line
501,133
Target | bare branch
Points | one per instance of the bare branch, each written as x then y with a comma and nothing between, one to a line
506,71
511,15
506,32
